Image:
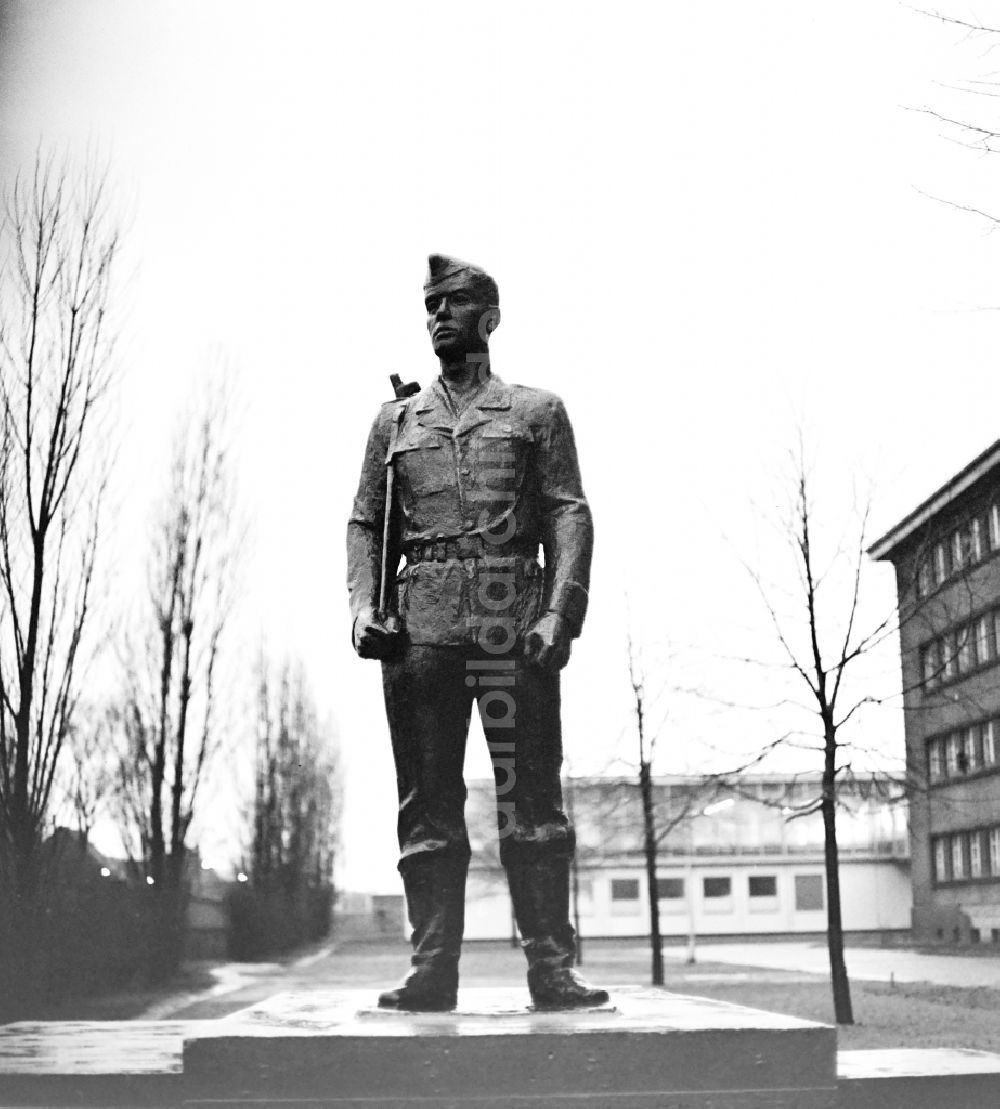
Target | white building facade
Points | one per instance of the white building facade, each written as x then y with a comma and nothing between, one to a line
743,864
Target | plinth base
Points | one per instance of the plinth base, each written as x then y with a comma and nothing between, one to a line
647,1048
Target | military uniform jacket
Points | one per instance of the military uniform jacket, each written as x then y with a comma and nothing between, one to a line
475,498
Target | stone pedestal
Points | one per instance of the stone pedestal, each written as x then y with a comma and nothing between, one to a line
648,1048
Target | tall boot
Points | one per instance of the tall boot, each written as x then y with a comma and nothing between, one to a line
539,889
435,901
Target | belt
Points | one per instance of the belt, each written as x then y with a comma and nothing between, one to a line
467,546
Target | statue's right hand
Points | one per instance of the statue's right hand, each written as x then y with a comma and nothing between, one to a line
374,637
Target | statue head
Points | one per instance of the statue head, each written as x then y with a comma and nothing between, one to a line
463,307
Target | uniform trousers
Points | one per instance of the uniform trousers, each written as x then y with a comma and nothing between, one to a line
429,695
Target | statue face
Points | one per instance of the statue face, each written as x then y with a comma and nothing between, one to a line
457,317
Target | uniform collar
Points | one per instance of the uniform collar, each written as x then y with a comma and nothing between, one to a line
495,395
433,410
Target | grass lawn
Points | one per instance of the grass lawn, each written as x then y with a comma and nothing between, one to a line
907,1015
126,1003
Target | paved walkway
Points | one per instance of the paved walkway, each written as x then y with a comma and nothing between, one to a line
873,964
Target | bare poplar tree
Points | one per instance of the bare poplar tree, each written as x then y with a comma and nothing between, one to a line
168,720
296,807
60,242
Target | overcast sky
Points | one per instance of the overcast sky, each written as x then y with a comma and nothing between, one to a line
711,224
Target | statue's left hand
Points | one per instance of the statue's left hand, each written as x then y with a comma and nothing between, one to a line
548,643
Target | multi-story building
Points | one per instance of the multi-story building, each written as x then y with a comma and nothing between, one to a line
745,861
946,554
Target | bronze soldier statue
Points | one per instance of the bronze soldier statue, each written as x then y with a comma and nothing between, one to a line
480,474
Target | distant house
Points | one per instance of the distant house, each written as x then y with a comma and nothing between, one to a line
736,866
75,861
946,554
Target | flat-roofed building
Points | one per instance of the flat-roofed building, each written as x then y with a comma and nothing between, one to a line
946,554
736,863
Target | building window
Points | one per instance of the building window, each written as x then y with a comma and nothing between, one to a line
964,547
809,893
932,665
961,650
763,885
995,852
964,639
935,765
940,569
971,753
975,855
670,889
625,897
717,894
951,746
989,749
940,861
924,582
717,887
958,857
957,551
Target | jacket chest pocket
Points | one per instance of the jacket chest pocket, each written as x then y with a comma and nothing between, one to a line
502,453
424,464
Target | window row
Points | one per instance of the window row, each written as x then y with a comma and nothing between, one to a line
961,650
966,545
967,750
809,895
961,856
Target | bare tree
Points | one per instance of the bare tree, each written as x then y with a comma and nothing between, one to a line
658,819
296,809
827,635
821,646
168,719
971,122
87,776
61,242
